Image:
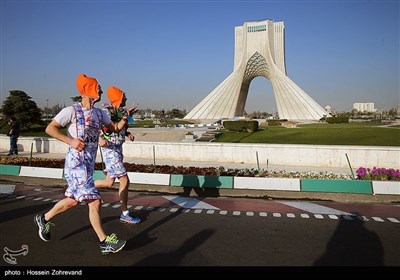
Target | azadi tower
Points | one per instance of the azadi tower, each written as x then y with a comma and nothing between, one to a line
259,51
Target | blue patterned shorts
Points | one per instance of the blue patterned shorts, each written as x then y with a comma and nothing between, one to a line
78,172
114,160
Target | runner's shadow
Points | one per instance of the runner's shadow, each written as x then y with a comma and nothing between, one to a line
23,211
87,227
352,245
174,258
207,188
144,238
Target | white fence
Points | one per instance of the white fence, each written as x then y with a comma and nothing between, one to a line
275,154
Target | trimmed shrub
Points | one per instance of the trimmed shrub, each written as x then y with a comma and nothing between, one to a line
337,120
241,126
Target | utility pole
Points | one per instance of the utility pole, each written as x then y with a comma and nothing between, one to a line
47,109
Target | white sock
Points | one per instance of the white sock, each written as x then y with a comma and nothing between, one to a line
125,212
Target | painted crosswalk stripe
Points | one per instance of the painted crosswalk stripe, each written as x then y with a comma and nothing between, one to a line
363,218
236,213
318,216
393,220
333,217
249,213
313,207
377,219
290,215
7,189
348,217
263,214
190,202
305,216
223,212
277,215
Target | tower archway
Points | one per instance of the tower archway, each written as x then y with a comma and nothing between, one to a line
260,97
259,51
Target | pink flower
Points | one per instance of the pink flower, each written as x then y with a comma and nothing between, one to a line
378,174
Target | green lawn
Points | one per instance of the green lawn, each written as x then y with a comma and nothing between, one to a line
320,134
363,134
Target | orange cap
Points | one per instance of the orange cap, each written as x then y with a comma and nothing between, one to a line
115,95
87,86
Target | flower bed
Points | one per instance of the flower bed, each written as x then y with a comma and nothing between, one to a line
362,173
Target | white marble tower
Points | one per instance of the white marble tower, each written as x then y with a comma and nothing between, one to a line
259,51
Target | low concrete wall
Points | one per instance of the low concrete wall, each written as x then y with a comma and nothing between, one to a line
273,154
226,182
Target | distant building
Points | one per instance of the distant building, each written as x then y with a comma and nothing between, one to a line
364,107
328,108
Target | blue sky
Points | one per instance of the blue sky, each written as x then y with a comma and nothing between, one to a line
167,54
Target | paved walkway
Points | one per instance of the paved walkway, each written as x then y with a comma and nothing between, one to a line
213,205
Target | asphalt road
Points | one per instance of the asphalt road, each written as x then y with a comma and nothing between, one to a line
185,232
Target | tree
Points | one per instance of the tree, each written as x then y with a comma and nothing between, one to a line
20,105
55,110
392,113
175,113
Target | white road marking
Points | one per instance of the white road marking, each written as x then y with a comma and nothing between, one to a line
6,189
313,207
189,202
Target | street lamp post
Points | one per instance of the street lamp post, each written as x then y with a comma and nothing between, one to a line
47,109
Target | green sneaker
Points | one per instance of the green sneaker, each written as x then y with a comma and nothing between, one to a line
111,244
44,228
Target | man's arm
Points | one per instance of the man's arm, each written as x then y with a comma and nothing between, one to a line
117,127
53,129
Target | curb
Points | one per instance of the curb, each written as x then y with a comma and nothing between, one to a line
227,182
